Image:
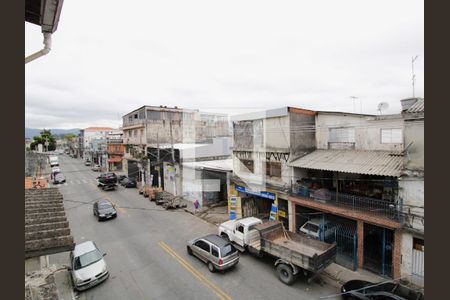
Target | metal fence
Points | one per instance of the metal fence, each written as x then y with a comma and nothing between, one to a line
346,239
388,209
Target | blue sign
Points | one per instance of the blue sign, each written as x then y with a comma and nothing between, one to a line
233,207
273,212
262,194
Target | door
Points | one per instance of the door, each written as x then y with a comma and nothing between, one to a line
202,250
239,235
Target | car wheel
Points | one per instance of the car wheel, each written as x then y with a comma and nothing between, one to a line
285,274
211,267
189,250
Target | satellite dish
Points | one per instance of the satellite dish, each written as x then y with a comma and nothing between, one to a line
382,106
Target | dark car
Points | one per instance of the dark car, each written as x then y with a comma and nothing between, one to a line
104,210
216,252
107,178
360,289
128,183
121,177
59,178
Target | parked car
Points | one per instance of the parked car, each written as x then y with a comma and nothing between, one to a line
216,252
107,181
56,170
96,168
59,178
88,268
128,183
121,177
360,289
87,163
104,210
315,229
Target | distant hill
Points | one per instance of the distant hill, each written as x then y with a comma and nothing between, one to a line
31,132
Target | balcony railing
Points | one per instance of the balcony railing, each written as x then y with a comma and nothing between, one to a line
389,209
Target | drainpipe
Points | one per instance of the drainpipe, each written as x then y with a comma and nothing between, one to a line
44,51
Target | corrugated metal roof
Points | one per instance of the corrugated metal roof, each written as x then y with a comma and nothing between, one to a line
220,165
381,163
419,106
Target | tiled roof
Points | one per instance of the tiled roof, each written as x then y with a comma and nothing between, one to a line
419,106
46,227
381,163
99,129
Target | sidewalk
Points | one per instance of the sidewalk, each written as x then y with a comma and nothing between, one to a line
215,214
337,275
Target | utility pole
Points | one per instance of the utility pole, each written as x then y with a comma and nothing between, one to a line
173,160
158,163
413,75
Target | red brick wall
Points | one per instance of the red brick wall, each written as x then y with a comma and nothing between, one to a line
360,247
397,254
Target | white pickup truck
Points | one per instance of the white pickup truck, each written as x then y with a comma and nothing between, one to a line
293,252
236,231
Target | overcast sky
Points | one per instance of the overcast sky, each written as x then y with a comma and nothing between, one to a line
109,57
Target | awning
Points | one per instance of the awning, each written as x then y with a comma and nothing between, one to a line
383,163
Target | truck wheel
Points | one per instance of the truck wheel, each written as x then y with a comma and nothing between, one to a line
189,250
285,274
211,267
225,237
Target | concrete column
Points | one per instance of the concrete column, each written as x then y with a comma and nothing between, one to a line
292,217
360,247
397,254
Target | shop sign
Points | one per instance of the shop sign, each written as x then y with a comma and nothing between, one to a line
233,200
273,212
282,213
262,194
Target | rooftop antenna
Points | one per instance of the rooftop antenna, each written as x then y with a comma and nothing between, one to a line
382,106
413,75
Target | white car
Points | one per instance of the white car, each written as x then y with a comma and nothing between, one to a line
88,266
314,228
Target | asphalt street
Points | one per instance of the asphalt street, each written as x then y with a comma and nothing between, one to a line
146,250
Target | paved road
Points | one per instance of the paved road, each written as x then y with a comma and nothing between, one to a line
146,250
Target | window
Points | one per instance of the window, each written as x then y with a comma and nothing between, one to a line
342,135
240,228
135,116
215,251
273,169
391,136
247,165
202,245
227,250
154,115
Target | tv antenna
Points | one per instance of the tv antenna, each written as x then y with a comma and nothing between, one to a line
413,75
382,106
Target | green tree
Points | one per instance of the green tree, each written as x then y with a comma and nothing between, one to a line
46,136
69,136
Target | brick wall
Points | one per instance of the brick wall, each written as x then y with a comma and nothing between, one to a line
397,254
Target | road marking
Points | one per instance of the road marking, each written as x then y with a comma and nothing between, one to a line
220,293
122,210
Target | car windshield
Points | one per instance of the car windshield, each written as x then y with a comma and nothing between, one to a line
104,205
227,250
311,227
59,176
87,259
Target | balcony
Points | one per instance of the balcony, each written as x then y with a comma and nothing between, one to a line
351,203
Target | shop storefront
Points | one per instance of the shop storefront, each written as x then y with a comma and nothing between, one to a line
245,202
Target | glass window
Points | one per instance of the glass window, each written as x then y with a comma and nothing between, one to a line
391,136
273,169
342,135
311,227
227,250
240,228
202,245
214,251
87,259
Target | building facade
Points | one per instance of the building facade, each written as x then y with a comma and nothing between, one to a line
411,190
264,143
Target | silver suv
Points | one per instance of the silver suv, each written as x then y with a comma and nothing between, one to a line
218,253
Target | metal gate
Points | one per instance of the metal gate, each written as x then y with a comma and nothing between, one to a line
418,267
378,248
346,239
